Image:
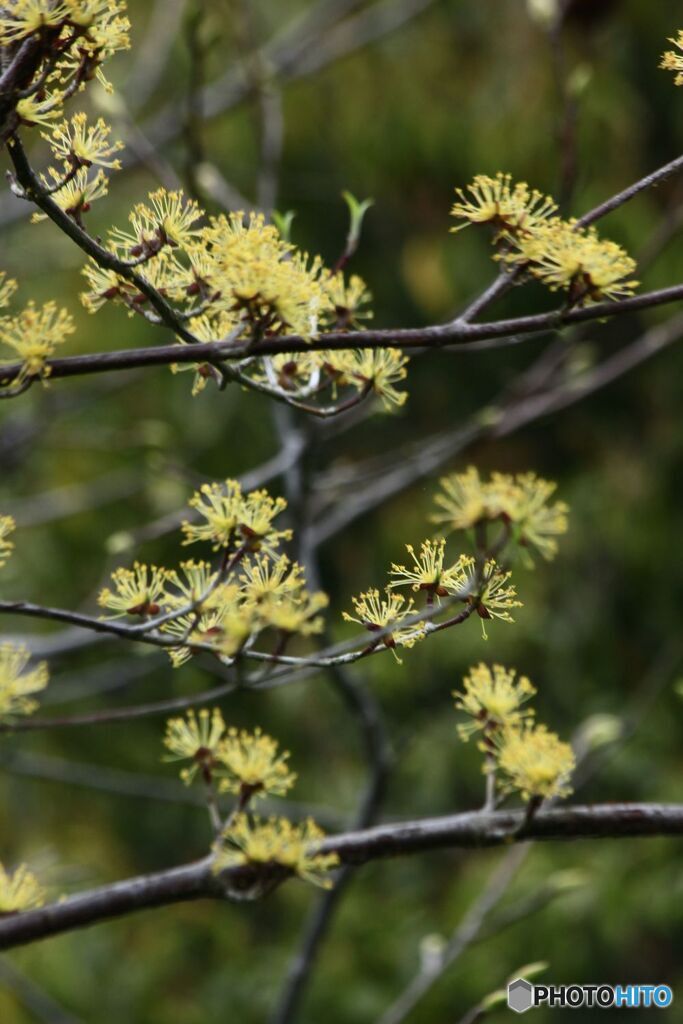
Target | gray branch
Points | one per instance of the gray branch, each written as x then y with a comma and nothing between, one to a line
460,831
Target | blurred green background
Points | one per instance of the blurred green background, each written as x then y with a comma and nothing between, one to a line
468,86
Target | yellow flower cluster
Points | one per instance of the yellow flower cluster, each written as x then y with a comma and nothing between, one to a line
236,277
377,370
530,759
389,614
17,684
491,593
20,891
559,253
78,147
229,278
33,335
350,300
535,762
76,37
137,591
494,699
521,502
233,519
75,143
195,738
276,842
428,572
672,61
563,255
248,765
254,589
7,289
488,589
502,205
7,526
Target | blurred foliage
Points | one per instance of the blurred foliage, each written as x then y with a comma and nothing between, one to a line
467,87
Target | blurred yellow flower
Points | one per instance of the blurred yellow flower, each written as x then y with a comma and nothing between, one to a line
535,762
493,698
275,842
249,765
7,526
20,891
672,61
17,684
195,738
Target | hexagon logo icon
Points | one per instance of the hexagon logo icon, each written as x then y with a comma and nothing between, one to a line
520,995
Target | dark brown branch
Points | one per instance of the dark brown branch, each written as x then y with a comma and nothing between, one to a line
649,181
191,881
477,829
459,831
460,337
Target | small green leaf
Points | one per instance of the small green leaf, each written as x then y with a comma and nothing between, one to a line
357,211
283,222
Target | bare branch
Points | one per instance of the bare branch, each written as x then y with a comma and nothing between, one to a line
459,831
457,337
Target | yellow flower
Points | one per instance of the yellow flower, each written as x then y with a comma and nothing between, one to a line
20,891
173,215
537,523
195,738
16,684
465,501
276,841
196,580
349,301
255,522
536,762
34,335
494,699
137,591
506,207
672,61
491,592
428,573
238,625
521,501
76,36
295,613
249,765
45,111
264,279
78,144
7,289
171,219
377,369
231,517
225,626
106,30
23,18
77,195
564,256
263,578
376,613
7,526
86,13
105,286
